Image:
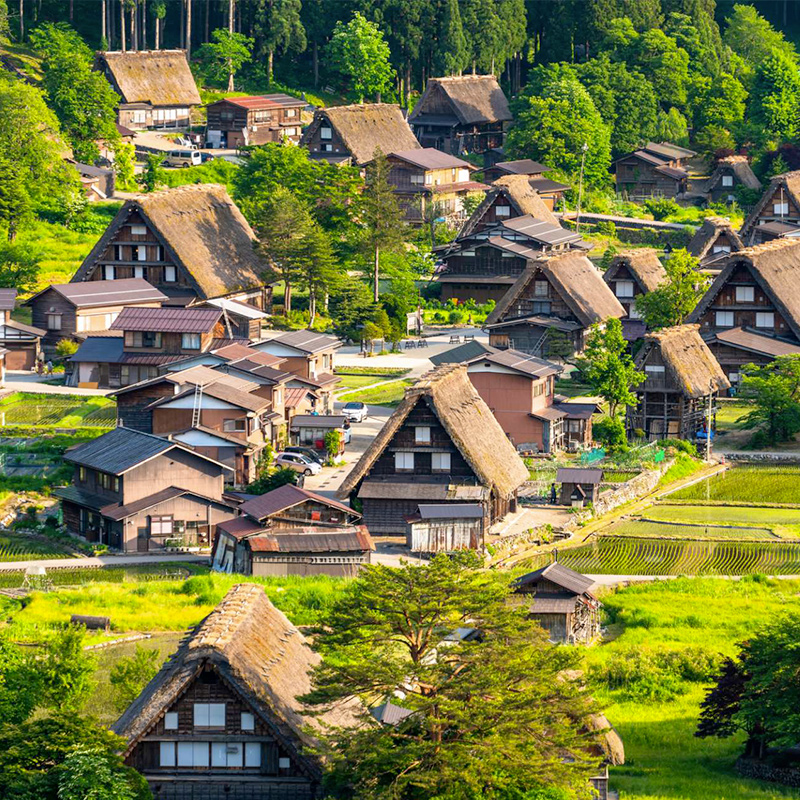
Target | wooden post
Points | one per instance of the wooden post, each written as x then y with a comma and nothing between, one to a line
188,28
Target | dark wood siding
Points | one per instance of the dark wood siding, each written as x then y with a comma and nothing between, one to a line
51,302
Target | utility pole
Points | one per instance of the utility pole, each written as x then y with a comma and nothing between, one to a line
708,421
584,148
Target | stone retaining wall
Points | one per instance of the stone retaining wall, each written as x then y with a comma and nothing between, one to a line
764,771
764,458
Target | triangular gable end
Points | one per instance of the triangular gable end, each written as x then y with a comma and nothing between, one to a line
769,197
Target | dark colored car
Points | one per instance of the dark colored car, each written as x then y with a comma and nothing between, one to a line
310,452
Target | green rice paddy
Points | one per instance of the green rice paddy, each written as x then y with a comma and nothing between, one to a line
618,555
16,547
755,484
65,411
725,515
649,528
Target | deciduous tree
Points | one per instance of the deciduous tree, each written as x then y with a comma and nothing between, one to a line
131,674
225,55
676,298
773,392
607,366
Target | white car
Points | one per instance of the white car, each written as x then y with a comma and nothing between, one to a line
355,412
298,462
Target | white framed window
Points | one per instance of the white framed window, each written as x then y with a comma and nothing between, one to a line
291,112
721,248
727,180
733,377
440,462
83,323
161,526
171,721
248,721
170,274
403,461
227,754
110,271
724,319
284,763
139,116
209,715
252,754
327,148
325,132
745,294
654,369
140,272
138,230
765,319
624,288
141,252
167,755
502,211
417,178
428,178
509,255
192,754
190,341
54,322
422,435
780,208
541,288
633,312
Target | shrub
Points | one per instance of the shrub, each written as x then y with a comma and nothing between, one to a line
680,446
66,347
455,317
610,432
662,208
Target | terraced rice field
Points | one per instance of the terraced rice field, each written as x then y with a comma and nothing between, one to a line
726,515
645,528
753,484
643,556
23,548
69,411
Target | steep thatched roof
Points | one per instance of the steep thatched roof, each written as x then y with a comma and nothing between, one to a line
741,169
576,279
475,99
521,195
644,264
702,243
366,127
158,77
789,182
775,266
687,358
258,652
204,232
472,427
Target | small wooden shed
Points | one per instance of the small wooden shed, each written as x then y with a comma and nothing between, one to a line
445,527
560,601
579,485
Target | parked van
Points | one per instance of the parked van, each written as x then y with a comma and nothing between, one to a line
184,158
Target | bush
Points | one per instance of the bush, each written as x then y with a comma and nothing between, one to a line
610,432
680,446
662,208
66,348
455,317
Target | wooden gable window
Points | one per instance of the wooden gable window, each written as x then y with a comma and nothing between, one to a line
54,322
404,462
209,715
422,434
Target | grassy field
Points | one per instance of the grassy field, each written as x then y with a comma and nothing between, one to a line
646,528
388,395
747,483
57,411
134,575
617,555
692,617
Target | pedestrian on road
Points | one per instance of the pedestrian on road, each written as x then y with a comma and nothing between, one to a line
49,367
553,495
40,367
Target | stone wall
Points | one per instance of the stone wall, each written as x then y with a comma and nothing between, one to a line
764,771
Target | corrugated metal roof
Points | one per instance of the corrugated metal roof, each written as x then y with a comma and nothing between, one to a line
431,158
558,574
264,101
99,349
90,294
285,497
333,541
294,397
235,352
451,511
306,341
540,231
522,362
317,421
461,353
239,527
118,450
390,714
579,475
167,320
8,298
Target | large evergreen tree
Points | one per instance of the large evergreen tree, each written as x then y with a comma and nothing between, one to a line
278,28
451,55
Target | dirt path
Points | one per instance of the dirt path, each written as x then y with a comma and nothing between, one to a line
101,561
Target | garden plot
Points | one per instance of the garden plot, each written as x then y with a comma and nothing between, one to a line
16,547
57,411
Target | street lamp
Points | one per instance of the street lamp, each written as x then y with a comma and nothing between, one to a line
584,149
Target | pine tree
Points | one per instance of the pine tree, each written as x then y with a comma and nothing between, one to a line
451,56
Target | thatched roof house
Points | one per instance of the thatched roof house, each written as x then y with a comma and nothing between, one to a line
681,374
354,133
442,443
249,659
779,203
513,192
156,87
714,240
730,172
204,239
642,265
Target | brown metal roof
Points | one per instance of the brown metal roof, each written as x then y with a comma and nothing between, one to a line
239,527
117,512
264,101
285,497
234,352
8,297
558,574
431,158
305,341
296,396
757,342
92,294
167,320
351,539
579,475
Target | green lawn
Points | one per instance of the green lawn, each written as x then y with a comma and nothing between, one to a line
729,412
388,395
664,761
357,381
747,483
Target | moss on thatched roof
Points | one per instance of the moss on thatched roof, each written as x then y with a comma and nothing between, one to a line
740,166
644,264
203,230
158,77
789,182
475,99
578,282
687,357
259,653
702,243
367,127
775,266
469,422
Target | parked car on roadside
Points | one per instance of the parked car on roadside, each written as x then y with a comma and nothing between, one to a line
298,462
183,158
308,452
355,412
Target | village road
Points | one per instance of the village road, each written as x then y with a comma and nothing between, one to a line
102,561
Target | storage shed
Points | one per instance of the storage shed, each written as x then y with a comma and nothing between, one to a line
443,528
579,486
